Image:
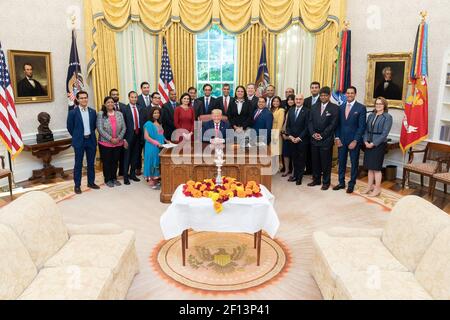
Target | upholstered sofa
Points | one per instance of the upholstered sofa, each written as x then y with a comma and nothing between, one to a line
42,258
408,259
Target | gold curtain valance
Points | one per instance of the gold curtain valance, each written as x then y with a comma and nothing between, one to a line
235,16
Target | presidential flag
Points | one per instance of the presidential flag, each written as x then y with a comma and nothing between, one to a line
74,82
262,78
166,83
9,127
415,121
342,75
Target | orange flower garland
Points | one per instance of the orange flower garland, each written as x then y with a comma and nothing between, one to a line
219,194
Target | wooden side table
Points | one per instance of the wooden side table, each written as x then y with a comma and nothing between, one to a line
45,151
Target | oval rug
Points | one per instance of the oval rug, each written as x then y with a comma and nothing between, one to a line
221,262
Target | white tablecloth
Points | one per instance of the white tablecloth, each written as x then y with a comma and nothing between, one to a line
246,215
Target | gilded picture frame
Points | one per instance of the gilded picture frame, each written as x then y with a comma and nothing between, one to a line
31,76
388,76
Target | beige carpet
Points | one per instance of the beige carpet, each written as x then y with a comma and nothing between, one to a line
301,210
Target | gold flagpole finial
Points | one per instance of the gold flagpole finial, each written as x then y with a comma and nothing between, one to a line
74,20
423,15
346,24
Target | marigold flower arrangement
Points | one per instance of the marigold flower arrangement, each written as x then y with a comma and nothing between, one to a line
219,194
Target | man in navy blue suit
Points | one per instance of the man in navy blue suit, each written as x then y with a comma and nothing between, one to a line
81,124
215,128
349,133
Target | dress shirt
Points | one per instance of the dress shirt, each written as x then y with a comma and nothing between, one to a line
297,111
239,104
314,99
85,117
324,106
133,108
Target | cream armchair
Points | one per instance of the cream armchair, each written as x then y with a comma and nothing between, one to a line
408,259
42,258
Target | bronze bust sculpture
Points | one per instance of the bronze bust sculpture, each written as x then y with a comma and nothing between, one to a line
44,133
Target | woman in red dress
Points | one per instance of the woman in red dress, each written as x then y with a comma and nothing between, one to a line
184,118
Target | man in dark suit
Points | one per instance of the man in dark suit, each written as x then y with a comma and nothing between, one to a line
192,91
251,96
81,124
314,98
119,106
298,134
322,124
207,103
168,115
349,133
225,100
263,120
144,99
309,102
270,94
132,138
287,93
29,87
215,128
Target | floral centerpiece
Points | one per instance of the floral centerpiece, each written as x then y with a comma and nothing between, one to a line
229,188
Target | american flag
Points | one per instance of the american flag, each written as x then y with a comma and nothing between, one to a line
9,128
74,82
165,76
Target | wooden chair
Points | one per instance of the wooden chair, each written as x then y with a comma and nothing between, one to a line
432,153
6,173
443,176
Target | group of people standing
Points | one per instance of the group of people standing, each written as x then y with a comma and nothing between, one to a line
301,131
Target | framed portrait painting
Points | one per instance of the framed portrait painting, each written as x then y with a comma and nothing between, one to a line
388,76
31,76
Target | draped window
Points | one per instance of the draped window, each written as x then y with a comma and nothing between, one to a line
295,60
136,59
215,60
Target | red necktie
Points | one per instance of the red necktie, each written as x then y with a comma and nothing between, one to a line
217,130
136,124
225,105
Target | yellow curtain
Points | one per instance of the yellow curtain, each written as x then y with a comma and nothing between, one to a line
235,16
181,47
326,55
249,51
104,72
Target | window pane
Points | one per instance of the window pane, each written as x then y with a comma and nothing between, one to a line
214,72
202,50
214,50
215,32
202,71
228,71
217,90
203,35
228,50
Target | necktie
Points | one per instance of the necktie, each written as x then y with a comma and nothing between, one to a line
225,105
173,105
217,130
322,109
297,111
136,122
269,101
117,106
314,100
347,110
147,101
257,114
206,104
